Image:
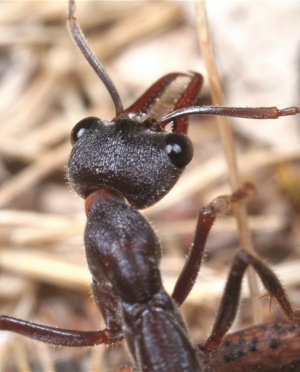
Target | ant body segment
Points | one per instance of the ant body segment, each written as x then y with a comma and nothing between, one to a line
131,163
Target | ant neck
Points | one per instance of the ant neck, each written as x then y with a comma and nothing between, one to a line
101,195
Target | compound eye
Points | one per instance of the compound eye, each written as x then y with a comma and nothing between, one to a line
179,149
82,126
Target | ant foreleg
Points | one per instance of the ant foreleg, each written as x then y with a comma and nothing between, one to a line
230,300
108,304
206,218
58,336
109,307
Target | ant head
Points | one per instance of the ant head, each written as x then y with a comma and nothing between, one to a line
131,154
140,162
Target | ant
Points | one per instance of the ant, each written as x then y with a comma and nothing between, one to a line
131,163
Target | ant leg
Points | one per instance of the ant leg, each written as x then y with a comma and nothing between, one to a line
109,307
206,218
58,336
189,273
108,304
230,300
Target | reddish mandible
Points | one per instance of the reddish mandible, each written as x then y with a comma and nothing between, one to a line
130,163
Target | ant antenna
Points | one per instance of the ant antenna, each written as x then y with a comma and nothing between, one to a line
240,112
79,39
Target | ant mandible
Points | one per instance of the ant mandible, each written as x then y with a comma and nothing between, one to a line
131,163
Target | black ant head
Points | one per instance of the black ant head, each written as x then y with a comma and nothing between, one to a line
126,155
132,154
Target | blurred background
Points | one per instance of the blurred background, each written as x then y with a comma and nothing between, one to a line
46,87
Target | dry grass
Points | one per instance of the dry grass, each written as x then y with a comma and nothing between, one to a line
46,87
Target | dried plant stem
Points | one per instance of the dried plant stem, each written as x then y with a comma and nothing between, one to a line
21,356
26,179
229,150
